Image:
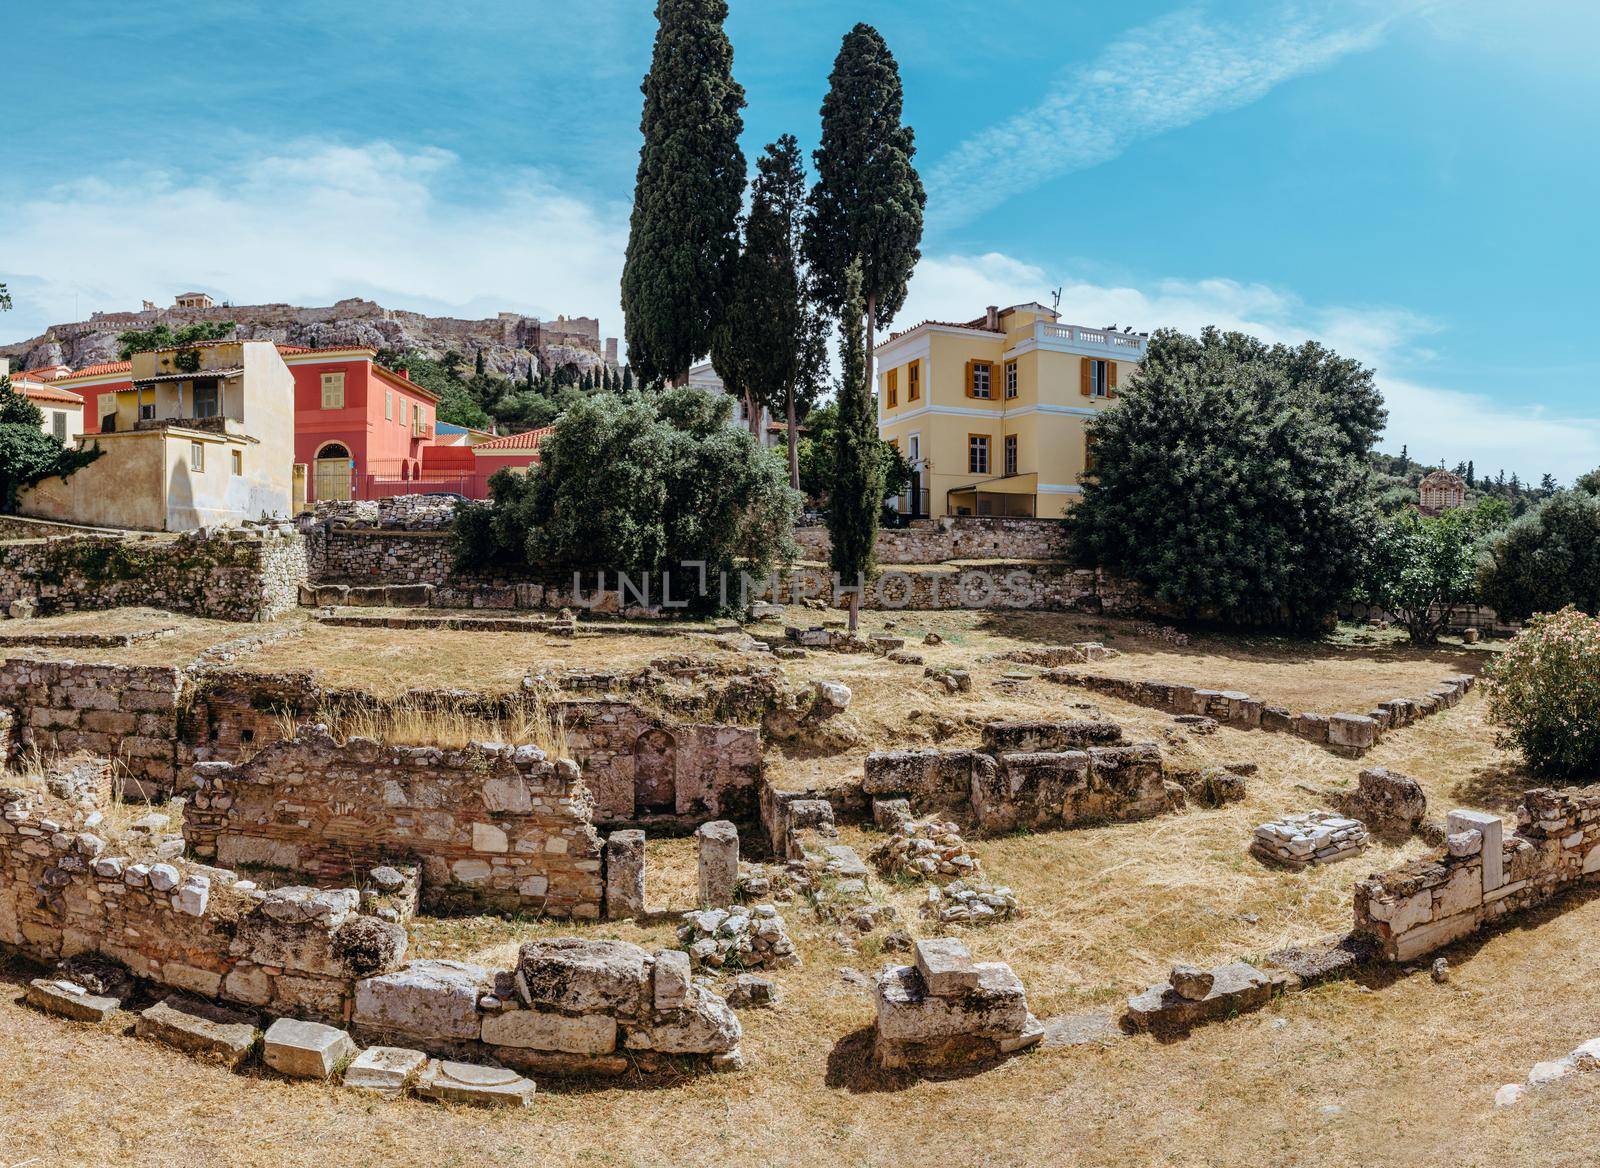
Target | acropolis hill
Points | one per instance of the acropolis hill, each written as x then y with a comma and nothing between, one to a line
507,340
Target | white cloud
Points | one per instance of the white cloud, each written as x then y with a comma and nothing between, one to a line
1171,72
1434,422
309,224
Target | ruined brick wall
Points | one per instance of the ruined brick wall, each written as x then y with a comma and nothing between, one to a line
1069,773
66,890
375,555
1481,875
126,712
237,574
643,768
493,827
934,541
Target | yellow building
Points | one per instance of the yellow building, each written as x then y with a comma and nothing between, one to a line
991,414
204,436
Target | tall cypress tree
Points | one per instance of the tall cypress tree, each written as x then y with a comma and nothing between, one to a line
857,496
684,231
867,204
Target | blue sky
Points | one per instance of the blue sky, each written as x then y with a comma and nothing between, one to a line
1412,181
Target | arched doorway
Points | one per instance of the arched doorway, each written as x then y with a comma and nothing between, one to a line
332,471
655,773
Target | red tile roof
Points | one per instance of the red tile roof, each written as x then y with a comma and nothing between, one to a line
37,391
527,440
98,370
981,325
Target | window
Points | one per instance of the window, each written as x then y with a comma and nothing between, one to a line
978,454
197,456
1090,462
1011,379
891,385
1011,454
978,378
1099,378
333,391
913,381
238,462
388,404
405,412
205,399
58,424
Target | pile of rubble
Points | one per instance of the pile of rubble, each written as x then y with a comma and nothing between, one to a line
740,937
969,902
1317,837
926,849
1161,633
947,1010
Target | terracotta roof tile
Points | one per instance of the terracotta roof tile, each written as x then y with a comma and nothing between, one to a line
527,440
99,370
37,391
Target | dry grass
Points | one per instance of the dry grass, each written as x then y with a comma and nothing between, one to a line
409,722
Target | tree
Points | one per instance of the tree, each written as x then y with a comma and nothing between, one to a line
817,450
640,484
1546,560
1233,478
868,201
1589,482
627,379
5,299
1419,568
1545,691
27,454
161,337
478,367
857,497
684,230
1471,476
770,347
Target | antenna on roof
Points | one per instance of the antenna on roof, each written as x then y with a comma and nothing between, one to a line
1055,300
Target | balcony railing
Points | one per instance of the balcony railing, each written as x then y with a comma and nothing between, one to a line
1132,344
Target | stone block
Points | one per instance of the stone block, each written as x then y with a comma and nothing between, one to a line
426,999
671,980
69,1000
1235,988
537,1030
384,1070
1493,831
200,1028
946,966
1352,732
452,1082
305,1050
581,976
718,851
625,858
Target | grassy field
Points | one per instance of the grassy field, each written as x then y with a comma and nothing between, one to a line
1396,1073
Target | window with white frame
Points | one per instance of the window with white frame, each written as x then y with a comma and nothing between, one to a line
1099,381
1011,454
197,456
978,454
982,373
1011,379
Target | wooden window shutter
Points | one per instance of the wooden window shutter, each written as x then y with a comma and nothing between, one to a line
1111,379
1085,381
892,378
970,388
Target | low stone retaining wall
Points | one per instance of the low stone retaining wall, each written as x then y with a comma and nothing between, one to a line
237,574
1349,734
500,828
1480,875
1064,773
933,541
357,555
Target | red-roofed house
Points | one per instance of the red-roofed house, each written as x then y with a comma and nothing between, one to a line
62,409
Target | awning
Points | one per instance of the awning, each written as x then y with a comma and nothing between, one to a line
197,375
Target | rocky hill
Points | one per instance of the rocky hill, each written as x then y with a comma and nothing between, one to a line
508,341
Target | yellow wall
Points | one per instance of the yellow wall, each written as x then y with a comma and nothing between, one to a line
1048,415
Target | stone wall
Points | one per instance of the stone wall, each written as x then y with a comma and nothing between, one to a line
934,541
237,574
358,555
65,890
1067,773
1480,875
126,712
1348,734
493,827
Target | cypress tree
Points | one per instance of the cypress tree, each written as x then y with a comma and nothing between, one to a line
857,496
867,204
684,230
627,379
478,368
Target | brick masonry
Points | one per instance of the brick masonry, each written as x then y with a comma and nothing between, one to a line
493,827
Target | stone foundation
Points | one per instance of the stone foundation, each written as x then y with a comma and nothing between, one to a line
947,1010
493,827
1480,875
1348,734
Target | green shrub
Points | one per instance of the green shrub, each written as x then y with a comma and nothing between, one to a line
1546,560
1545,692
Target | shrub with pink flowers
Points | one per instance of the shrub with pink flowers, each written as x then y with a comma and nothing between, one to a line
1544,691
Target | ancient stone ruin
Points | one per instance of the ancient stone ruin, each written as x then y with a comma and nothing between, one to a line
496,827
1315,837
946,1010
